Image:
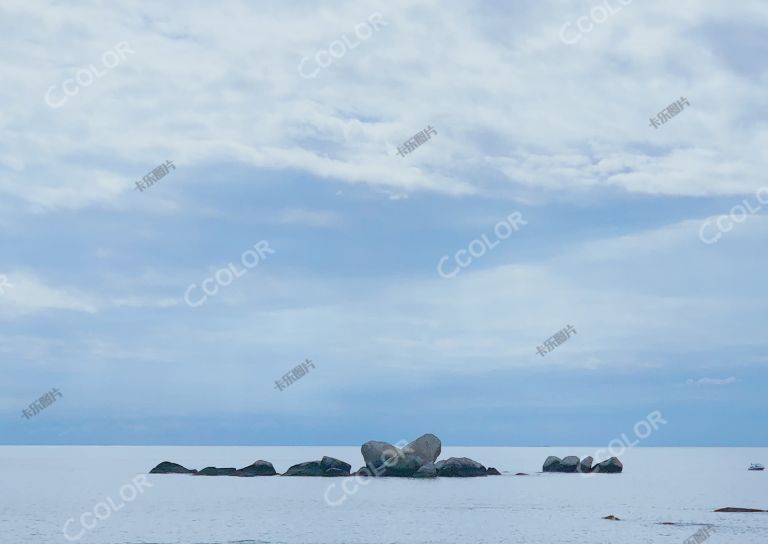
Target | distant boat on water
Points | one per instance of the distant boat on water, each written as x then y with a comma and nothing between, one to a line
756,466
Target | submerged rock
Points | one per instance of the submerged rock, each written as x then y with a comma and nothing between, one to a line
731,510
459,467
612,518
214,471
259,468
166,467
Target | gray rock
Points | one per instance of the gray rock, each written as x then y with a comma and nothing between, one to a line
214,471
259,468
586,465
426,471
329,463
570,464
384,459
459,467
553,464
166,467
427,447
611,466
492,472
363,471
310,468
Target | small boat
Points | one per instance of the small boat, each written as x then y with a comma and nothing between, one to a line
756,466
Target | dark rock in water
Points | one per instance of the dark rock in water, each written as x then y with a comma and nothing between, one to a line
363,471
570,464
259,468
586,465
310,468
329,463
426,471
611,466
166,467
731,509
328,466
427,448
553,464
213,471
492,472
384,459
521,474
459,467
612,518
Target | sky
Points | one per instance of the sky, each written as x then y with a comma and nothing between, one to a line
284,155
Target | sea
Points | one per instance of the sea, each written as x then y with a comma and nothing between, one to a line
103,495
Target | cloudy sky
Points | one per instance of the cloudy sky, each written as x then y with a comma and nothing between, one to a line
541,108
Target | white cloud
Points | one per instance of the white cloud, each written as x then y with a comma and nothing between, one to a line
712,381
202,89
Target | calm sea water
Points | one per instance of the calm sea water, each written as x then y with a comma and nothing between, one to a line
43,487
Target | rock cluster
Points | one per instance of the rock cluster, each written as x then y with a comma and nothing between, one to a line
415,460
573,464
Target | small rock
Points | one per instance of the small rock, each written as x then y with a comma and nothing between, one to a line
570,464
310,468
586,465
492,472
166,467
612,518
459,467
611,466
426,471
553,464
258,468
329,463
731,509
521,474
